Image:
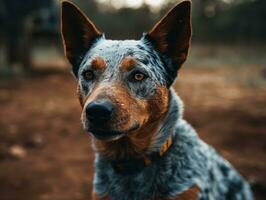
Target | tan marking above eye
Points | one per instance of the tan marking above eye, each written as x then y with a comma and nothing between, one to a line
128,63
98,63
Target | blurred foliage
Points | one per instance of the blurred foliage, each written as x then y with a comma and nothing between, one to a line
240,21
23,23
124,23
213,20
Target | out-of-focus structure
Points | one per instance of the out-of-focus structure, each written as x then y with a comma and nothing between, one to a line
214,21
23,20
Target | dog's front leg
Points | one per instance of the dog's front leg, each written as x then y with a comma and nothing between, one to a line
190,194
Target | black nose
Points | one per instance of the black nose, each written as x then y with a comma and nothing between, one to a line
99,111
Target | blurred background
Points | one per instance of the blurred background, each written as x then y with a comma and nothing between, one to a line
43,152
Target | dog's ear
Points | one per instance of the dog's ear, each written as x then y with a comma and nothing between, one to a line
78,33
172,34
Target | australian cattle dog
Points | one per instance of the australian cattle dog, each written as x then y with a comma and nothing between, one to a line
144,149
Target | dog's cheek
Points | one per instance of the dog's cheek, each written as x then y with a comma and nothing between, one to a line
144,89
121,119
140,111
158,103
130,111
146,108
143,95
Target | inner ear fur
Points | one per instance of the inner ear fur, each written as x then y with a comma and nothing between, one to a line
78,33
171,36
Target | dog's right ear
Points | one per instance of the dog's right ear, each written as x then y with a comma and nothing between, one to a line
172,34
78,33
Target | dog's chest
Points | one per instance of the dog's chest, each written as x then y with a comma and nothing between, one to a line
156,182
149,189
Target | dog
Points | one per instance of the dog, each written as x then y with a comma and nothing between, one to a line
144,149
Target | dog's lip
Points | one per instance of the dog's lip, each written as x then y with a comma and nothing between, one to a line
114,136
110,135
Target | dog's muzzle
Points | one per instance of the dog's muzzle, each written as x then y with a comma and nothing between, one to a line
99,119
99,113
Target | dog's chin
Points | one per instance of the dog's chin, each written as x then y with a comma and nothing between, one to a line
110,135
106,135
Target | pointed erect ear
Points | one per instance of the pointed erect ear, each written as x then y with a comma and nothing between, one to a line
171,35
78,33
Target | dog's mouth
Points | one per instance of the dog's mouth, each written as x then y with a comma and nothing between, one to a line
110,135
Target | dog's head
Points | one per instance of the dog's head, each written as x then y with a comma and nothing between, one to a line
124,86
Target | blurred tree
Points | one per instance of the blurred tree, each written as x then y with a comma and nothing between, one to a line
126,23
213,21
121,23
16,30
239,20
89,6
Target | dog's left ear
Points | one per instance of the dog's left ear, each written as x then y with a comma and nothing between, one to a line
171,36
78,33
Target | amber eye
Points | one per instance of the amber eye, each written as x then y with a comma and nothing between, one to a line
139,76
88,75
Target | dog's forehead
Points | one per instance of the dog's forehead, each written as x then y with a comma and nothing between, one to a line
114,51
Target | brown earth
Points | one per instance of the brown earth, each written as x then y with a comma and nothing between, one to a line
45,155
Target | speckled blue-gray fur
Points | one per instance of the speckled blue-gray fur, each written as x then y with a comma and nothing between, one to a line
114,100
189,161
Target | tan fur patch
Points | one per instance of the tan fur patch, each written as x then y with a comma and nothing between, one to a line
98,63
127,63
158,103
190,194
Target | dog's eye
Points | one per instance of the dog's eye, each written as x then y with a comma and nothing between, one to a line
88,75
138,76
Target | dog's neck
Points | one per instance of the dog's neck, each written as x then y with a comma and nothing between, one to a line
167,125
141,143
134,165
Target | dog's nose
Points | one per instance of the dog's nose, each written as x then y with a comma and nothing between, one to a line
99,111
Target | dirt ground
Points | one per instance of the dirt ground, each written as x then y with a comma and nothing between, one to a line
45,155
